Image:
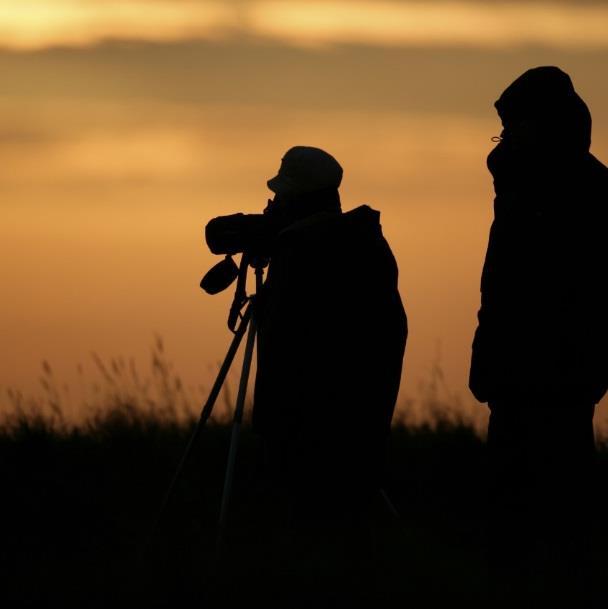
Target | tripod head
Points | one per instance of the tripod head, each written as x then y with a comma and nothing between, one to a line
223,274
240,294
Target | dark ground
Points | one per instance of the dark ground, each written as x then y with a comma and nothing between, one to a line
78,507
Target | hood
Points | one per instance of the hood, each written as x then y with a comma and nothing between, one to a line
546,96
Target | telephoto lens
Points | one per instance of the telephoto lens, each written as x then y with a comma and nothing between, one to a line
239,233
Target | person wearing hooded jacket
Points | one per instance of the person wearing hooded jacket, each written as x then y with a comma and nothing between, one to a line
540,351
331,339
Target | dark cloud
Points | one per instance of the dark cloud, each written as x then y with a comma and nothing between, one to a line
24,135
253,73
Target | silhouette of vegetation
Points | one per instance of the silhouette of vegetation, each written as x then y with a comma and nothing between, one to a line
81,496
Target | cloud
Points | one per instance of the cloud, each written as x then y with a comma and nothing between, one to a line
32,24
469,24
255,74
152,153
213,149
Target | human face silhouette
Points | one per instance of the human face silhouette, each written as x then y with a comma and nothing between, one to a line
524,137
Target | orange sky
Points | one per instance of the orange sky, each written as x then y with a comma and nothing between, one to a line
151,117
33,24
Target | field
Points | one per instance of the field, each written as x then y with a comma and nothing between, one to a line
80,501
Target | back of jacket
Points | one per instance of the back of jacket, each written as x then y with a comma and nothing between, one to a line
332,334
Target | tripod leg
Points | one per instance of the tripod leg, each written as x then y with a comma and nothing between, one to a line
389,504
236,426
206,412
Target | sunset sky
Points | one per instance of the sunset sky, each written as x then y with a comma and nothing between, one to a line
126,125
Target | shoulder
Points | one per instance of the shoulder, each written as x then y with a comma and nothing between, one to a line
333,227
598,171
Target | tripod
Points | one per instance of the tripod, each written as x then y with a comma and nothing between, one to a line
248,324
240,324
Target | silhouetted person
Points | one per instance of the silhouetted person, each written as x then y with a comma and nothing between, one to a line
540,353
332,336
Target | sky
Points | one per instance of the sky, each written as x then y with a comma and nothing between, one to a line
125,126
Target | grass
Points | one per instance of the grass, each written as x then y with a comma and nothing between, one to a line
81,496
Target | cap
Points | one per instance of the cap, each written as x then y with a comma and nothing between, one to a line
306,169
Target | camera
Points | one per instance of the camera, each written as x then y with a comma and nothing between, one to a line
247,234
254,235
239,233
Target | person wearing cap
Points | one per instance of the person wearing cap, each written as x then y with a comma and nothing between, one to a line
331,341
540,351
